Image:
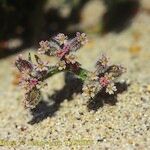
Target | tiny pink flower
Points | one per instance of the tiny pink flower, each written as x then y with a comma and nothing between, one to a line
33,82
28,84
62,52
104,81
66,48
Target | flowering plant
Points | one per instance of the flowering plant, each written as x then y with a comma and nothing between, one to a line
33,75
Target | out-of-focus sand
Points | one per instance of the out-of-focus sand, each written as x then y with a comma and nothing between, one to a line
125,125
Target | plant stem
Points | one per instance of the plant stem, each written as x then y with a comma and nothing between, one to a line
81,73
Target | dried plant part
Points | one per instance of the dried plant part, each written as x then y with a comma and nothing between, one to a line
22,64
32,98
102,64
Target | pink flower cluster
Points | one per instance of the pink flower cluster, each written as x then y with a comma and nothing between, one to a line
63,48
60,45
104,77
31,76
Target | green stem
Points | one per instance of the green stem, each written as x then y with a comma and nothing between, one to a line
81,73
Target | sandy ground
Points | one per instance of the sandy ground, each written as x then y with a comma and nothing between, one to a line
65,121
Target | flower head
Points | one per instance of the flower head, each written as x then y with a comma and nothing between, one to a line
29,83
33,82
116,70
31,76
104,81
90,89
70,59
102,64
82,38
61,38
61,65
44,47
93,76
41,67
111,88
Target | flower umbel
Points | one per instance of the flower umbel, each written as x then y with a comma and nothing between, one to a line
31,77
106,75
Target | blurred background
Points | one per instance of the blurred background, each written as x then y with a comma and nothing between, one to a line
23,23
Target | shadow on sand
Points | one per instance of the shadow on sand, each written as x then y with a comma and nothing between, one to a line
73,85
